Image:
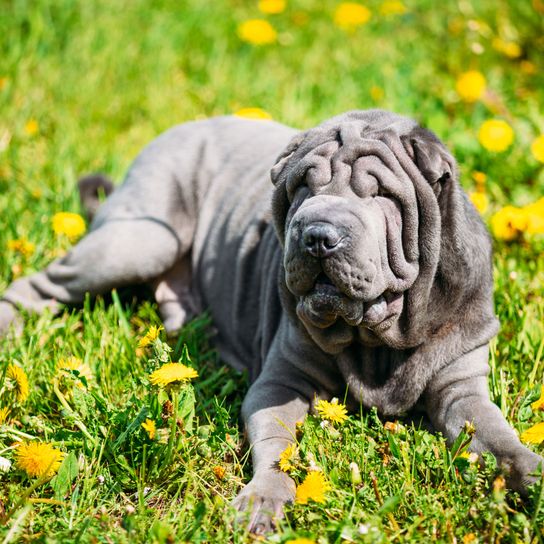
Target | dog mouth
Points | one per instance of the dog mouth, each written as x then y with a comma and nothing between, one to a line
325,303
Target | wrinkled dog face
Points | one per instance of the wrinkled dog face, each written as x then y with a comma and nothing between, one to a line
351,225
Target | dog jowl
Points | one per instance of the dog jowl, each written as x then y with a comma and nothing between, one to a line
361,272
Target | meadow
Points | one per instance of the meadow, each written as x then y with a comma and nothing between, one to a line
92,448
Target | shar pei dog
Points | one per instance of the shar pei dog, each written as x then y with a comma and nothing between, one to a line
361,272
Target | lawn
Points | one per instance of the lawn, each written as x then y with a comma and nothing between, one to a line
83,87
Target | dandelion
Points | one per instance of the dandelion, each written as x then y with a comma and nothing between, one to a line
171,373
253,113
32,127
4,413
534,435
22,246
480,178
508,48
376,93
65,367
539,404
68,224
391,426
392,7
287,457
38,459
537,148
527,67
150,336
356,478
5,464
350,15
219,472
469,538
333,410
312,488
496,135
534,214
508,223
19,381
480,201
471,457
150,427
301,541
470,86
257,32
272,7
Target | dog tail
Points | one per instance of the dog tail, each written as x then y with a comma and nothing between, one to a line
93,189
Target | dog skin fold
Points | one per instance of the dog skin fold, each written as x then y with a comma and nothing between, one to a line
361,272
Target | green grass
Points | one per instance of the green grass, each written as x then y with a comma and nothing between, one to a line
102,79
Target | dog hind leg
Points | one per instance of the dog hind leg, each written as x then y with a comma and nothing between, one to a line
118,253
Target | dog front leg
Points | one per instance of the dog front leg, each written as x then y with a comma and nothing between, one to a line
271,411
459,393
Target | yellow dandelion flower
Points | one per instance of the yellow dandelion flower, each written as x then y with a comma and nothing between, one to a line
350,15
479,177
150,427
253,113
257,32
68,224
150,336
4,413
469,538
32,127
496,135
171,373
392,7
38,459
272,7
527,67
470,86
471,457
508,223
65,366
376,93
534,214
539,404
219,472
301,541
534,435
312,488
537,148
22,246
287,456
392,427
508,48
19,381
334,411
480,201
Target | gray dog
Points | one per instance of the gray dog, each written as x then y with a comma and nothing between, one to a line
362,268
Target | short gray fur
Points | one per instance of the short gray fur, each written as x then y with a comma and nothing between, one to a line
405,320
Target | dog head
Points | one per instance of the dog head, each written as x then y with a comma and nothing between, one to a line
380,243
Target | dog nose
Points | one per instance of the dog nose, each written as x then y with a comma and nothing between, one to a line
321,239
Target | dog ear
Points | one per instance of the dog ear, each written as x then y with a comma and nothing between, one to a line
430,156
285,155
279,174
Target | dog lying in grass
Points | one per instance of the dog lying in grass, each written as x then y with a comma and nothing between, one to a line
361,272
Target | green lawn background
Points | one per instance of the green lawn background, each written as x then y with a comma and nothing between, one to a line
83,87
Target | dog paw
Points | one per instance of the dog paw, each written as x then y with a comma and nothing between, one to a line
260,504
525,469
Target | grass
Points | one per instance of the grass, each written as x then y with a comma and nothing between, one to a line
98,80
